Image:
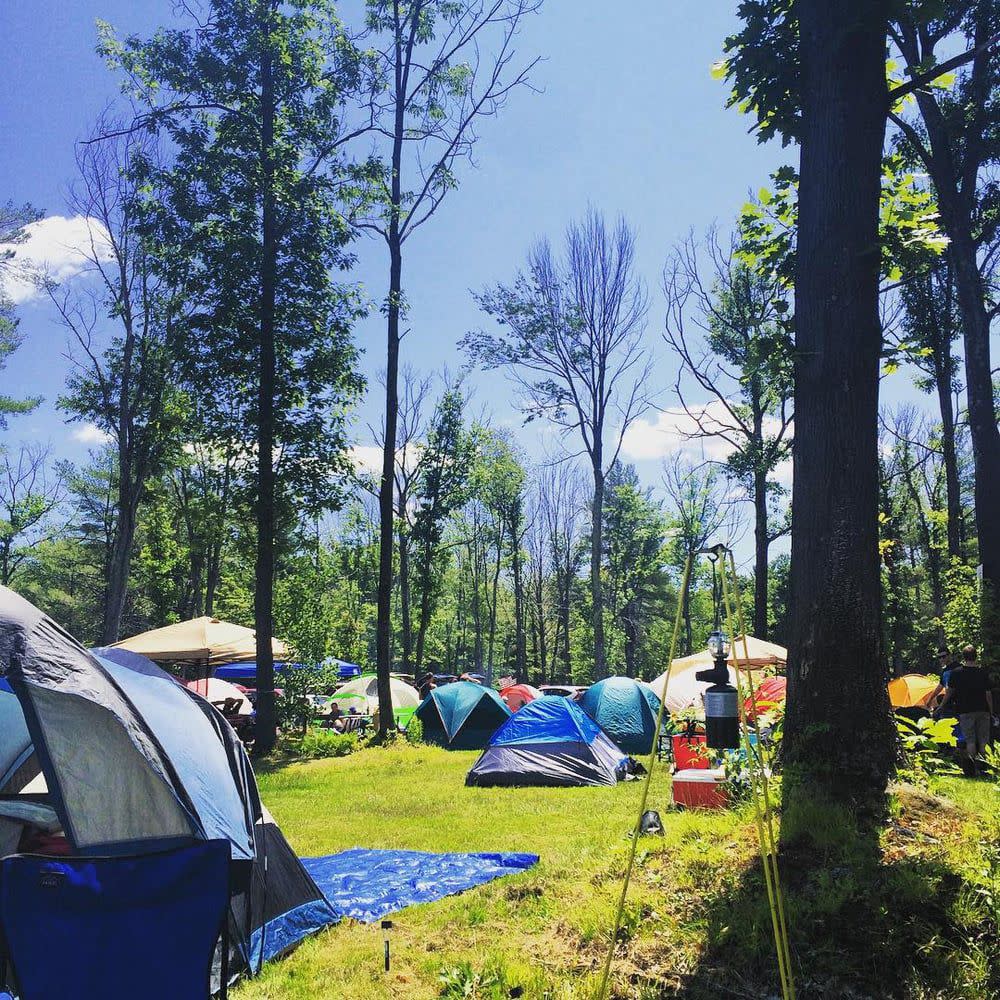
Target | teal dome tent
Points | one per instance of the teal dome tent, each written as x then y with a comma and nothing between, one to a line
626,710
462,715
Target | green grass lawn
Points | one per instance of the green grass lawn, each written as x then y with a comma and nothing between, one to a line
544,932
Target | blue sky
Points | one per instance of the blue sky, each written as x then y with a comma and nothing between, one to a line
628,120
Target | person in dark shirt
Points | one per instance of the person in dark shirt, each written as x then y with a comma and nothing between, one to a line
969,697
945,664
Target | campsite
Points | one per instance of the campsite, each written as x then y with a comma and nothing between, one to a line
498,499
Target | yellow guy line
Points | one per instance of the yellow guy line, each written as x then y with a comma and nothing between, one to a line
759,785
606,976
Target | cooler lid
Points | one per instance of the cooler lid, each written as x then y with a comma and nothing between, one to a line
705,774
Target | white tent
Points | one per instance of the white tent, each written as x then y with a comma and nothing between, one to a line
362,693
217,691
684,691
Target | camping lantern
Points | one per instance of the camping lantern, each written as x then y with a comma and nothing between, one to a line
722,723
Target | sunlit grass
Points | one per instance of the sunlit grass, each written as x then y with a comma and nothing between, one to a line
695,910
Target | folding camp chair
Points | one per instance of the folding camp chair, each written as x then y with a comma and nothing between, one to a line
116,928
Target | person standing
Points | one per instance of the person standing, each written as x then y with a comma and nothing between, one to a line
945,665
969,697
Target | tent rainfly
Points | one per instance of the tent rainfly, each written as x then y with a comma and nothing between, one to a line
912,691
200,640
362,692
462,715
124,761
550,742
626,710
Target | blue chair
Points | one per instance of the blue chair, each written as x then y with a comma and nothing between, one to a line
116,928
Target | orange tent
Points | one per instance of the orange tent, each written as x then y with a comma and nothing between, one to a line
912,690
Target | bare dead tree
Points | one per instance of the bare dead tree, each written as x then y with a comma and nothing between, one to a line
443,68
727,326
119,324
563,491
572,339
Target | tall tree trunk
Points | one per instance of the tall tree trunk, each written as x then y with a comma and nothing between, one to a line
983,430
477,609
383,642
520,639
213,574
942,380
838,733
956,189
404,601
893,592
686,613
761,545
424,619
266,729
629,615
119,564
494,588
541,651
383,637
565,590
596,591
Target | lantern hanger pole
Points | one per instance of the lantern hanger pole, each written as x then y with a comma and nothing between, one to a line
637,830
758,774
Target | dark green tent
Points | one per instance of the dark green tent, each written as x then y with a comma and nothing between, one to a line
462,715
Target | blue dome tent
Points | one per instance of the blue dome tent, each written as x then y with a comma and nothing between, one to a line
550,741
626,710
462,715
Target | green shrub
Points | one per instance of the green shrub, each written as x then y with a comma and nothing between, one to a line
414,730
921,745
319,743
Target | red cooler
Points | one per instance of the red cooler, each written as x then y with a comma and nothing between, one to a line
690,752
700,788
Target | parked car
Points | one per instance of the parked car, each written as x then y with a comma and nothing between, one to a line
574,691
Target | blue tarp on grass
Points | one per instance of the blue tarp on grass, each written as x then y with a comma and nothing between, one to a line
366,885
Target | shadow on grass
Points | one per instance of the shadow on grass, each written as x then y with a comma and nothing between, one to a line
865,920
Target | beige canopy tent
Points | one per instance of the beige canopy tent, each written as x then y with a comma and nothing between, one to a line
756,654
201,640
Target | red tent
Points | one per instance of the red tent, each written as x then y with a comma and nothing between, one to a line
518,695
768,695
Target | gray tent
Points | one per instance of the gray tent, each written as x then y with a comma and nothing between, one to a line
123,760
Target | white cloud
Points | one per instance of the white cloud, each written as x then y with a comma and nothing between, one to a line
57,248
671,433
674,431
90,434
367,458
